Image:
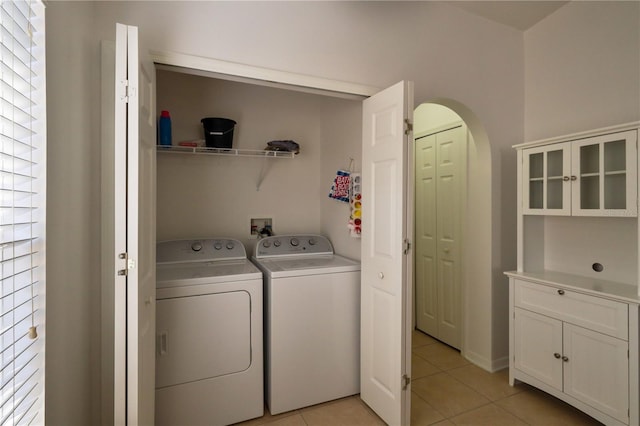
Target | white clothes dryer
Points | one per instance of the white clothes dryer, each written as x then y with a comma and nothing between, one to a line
312,321
209,346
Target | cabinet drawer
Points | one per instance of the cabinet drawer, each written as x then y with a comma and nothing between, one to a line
602,315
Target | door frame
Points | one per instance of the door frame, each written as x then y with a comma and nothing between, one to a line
215,68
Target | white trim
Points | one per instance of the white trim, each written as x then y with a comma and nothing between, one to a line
240,72
478,359
580,135
119,204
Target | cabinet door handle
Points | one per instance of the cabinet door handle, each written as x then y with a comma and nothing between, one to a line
560,292
574,178
565,359
565,178
557,355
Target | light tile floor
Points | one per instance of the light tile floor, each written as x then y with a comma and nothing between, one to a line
447,390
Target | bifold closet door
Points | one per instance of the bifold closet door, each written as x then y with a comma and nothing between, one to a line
426,239
438,226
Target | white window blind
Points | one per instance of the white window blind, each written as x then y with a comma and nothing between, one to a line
22,211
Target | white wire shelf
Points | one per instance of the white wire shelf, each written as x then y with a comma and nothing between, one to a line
232,152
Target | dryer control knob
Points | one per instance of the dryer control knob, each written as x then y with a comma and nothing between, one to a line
277,243
294,242
217,246
230,245
312,242
266,244
197,246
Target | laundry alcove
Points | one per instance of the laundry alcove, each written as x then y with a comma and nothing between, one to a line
216,195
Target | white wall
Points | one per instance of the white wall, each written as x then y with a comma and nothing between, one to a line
590,78
73,217
448,53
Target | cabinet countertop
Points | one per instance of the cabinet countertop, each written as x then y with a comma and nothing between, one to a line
602,288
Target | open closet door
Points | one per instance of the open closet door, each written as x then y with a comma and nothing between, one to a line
135,207
386,267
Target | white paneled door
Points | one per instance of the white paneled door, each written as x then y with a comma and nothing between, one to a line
426,243
386,267
439,168
135,212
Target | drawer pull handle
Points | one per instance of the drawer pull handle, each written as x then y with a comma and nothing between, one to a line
565,359
557,355
561,292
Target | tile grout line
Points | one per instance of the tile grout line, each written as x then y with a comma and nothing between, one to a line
430,405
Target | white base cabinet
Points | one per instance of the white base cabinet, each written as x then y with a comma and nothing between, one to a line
537,341
580,347
596,370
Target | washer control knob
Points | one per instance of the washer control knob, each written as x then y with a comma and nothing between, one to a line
266,244
312,242
197,246
217,245
294,242
277,243
230,245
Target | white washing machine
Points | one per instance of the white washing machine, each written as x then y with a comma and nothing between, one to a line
209,346
312,321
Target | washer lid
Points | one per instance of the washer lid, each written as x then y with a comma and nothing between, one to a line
291,266
182,274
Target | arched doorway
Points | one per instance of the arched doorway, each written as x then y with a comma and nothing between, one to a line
475,231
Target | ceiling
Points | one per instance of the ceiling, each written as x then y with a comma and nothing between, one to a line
521,15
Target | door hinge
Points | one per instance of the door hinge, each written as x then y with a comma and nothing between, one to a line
408,126
406,381
127,91
124,91
129,264
406,246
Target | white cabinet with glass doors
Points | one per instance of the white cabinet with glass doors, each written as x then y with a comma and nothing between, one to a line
595,176
573,305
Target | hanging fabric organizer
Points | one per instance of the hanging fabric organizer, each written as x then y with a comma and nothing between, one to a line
347,188
355,220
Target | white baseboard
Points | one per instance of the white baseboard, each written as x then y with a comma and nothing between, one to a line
486,364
